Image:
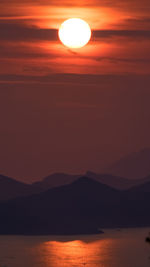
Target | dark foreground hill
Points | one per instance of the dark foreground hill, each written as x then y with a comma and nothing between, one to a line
145,187
82,207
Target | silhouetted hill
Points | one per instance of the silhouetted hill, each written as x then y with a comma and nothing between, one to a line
145,187
10,188
133,166
59,179
80,192
119,183
78,208
55,180
111,180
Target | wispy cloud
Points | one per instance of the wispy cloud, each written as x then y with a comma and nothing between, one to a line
22,32
143,34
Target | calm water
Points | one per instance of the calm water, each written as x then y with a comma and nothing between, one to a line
125,248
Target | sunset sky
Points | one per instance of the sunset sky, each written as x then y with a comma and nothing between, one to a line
64,110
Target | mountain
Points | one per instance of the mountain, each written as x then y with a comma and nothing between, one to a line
78,208
55,180
10,188
62,210
117,182
133,166
111,180
59,179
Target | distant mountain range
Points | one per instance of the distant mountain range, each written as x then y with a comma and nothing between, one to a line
82,207
72,204
117,182
11,188
134,166
113,181
55,180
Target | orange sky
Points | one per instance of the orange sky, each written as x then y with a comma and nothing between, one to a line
29,36
72,110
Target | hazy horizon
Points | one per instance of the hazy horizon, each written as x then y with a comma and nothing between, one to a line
103,170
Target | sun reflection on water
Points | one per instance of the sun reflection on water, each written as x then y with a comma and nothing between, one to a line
75,253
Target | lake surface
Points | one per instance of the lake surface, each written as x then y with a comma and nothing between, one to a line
125,248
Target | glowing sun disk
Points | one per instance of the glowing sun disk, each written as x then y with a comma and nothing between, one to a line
74,33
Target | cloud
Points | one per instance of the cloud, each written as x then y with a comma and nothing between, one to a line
79,3
141,20
22,32
70,78
142,34
125,60
24,51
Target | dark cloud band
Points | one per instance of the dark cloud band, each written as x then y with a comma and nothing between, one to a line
22,32
16,32
121,33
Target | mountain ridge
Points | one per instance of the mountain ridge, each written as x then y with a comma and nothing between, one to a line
78,208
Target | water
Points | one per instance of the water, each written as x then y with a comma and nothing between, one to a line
125,248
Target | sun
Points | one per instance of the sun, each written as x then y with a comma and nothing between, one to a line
74,33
